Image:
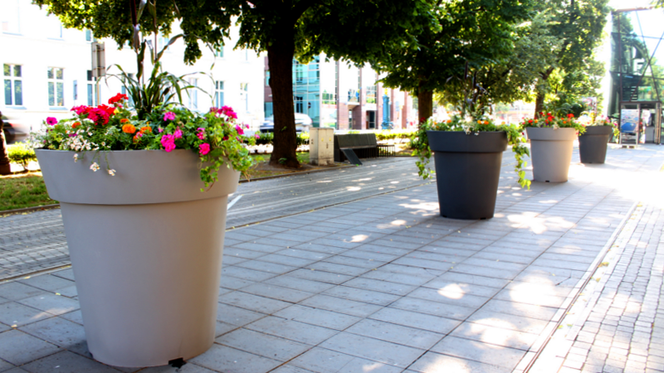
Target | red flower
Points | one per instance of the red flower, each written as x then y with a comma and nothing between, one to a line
108,109
117,98
570,115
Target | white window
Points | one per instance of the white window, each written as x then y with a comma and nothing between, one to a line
92,90
193,94
9,17
244,96
56,87
219,93
13,85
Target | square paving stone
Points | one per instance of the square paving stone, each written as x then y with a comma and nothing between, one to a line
448,297
318,317
380,286
20,348
246,273
47,282
229,360
481,352
326,361
337,268
416,320
495,335
360,295
235,283
507,321
520,309
293,330
345,306
51,303
398,278
253,302
277,292
263,344
60,332
235,315
14,314
5,366
416,338
260,265
320,276
433,308
530,296
67,362
373,349
17,290
291,369
301,284
65,273
75,316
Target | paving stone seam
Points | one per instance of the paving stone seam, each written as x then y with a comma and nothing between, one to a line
624,229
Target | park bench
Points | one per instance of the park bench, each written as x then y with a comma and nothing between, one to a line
353,146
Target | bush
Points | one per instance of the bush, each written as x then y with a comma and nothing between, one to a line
267,138
20,153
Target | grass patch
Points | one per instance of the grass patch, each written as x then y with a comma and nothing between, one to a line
23,191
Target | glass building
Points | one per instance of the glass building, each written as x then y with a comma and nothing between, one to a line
637,74
343,96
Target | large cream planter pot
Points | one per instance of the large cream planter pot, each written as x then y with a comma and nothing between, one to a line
146,248
551,152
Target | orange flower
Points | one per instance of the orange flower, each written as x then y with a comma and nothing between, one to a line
76,124
124,120
128,128
145,129
486,122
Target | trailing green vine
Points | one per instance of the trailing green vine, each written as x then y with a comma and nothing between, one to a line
420,143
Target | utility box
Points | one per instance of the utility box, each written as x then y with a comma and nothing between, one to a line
321,146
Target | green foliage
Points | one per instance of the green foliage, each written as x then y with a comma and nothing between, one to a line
420,142
392,134
268,138
21,153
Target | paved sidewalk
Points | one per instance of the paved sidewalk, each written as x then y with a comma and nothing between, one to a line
565,277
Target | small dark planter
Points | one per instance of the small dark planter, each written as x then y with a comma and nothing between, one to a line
467,172
593,143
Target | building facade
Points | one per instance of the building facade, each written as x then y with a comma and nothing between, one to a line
342,96
47,69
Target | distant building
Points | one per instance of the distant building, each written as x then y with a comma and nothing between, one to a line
47,70
342,96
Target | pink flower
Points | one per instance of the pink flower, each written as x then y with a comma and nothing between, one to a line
178,133
239,129
161,130
257,136
228,111
169,116
168,141
204,148
201,133
51,121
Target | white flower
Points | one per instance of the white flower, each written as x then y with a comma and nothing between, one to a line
94,166
75,158
111,172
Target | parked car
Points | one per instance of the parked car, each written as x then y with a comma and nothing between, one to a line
14,131
302,123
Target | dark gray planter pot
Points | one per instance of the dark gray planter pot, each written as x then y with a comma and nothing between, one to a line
467,172
593,143
146,247
551,153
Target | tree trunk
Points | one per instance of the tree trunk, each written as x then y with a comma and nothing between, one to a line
539,103
5,169
424,104
280,59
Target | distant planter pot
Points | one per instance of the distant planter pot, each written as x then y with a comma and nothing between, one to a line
593,144
467,172
551,152
146,247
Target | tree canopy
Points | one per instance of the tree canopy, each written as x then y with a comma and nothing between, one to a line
345,29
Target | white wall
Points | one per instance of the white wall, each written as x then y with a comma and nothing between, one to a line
34,42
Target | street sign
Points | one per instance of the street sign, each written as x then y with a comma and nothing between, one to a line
98,60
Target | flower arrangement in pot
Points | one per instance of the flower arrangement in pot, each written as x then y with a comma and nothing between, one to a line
551,140
146,234
468,150
594,141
